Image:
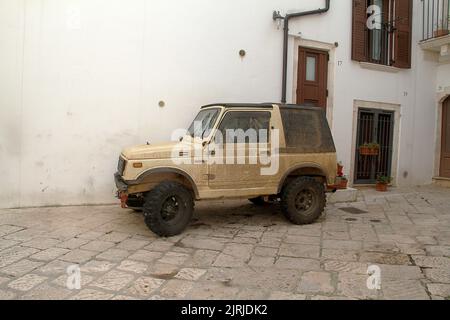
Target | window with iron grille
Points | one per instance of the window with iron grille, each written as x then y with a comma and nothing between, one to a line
381,32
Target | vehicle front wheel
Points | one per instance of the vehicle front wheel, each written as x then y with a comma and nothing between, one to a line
168,208
303,200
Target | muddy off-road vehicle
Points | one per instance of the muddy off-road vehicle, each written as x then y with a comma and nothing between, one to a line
261,152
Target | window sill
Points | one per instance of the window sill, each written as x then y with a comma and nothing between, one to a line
378,67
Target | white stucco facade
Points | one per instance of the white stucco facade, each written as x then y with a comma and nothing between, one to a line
80,80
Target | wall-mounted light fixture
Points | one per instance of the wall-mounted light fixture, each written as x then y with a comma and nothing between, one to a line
242,53
161,104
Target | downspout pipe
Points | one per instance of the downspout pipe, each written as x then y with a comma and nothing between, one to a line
286,18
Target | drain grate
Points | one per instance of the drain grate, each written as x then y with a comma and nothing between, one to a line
353,210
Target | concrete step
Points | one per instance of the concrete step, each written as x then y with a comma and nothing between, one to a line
442,182
341,196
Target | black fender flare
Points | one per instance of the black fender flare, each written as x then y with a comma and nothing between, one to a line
149,172
295,168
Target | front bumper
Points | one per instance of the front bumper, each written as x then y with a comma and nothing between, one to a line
121,185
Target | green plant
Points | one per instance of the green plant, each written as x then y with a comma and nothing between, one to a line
372,145
384,179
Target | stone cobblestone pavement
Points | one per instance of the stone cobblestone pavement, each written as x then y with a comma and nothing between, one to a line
233,250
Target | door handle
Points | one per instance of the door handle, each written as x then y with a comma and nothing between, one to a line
212,153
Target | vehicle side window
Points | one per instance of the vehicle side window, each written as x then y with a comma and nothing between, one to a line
254,124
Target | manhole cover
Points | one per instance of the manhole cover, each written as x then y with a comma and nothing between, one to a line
353,210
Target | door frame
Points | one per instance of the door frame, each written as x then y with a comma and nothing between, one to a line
441,98
293,77
376,113
396,108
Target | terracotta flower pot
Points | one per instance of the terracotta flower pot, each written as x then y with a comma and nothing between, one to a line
440,33
343,184
381,187
366,151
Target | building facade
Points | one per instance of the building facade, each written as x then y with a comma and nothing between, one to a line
80,80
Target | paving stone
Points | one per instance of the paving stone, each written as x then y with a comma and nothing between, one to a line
132,244
49,254
26,282
174,258
41,243
202,258
316,282
90,235
90,294
21,267
396,289
401,272
73,243
234,255
133,266
47,292
280,295
265,251
146,256
176,288
114,237
346,267
201,243
251,294
55,267
443,251
4,243
62,280
211,291
432,262
439,289
7,229
98,245
342,244
258,261
7,295
299,251
96,266
191,274
385,258
78,256
163,271
342,255
355,286
144,286
25,235
263,278
113,280
113,254
438,275
13,254
297,263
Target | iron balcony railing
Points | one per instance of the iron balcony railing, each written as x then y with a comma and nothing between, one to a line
436,16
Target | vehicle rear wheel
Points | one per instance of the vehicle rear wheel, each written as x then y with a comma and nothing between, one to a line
168,209
303,200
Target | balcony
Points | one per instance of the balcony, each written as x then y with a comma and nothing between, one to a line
435,28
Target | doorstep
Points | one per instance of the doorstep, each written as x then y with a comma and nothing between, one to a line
341,196
442,182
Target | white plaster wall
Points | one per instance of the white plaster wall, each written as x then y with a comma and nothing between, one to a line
81,79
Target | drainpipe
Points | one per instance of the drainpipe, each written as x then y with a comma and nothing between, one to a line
286,18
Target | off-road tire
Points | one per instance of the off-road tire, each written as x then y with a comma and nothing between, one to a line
259,201
153,208
290,202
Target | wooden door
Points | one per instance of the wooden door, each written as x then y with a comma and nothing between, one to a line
445,150
312,77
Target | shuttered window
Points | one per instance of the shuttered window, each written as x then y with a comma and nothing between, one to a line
381,32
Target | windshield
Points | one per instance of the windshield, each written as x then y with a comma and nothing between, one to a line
203,123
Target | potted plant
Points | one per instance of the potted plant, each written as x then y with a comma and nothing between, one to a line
340,169
383,182
343,182
369,149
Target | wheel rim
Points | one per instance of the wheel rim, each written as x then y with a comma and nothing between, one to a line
304,200
171,208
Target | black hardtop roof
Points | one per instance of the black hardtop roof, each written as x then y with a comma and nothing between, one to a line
261,105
